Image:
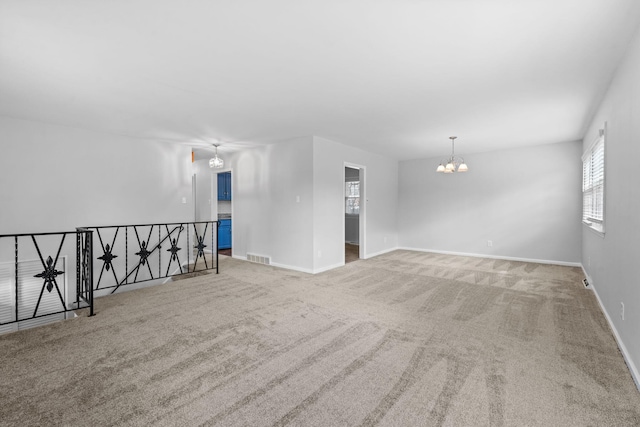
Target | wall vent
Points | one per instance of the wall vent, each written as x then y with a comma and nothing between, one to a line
259,259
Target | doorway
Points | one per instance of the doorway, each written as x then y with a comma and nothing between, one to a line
224,208
353,212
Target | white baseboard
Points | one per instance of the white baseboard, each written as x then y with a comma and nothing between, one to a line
587,276
507,258
623,349
294,268
291,267
327,268
382,252
275,264
307,270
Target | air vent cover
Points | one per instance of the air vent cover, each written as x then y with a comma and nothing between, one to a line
259,259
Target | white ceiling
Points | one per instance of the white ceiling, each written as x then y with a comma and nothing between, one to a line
394,76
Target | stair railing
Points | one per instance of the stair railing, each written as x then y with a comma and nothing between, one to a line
142,246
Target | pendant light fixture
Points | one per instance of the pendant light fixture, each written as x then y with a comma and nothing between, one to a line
453,163
216,161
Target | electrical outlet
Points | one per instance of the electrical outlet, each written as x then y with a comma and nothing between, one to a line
622,310
490,243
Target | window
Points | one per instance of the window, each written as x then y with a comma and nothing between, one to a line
593,185
352,198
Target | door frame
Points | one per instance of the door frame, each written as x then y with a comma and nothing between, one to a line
214,197
362,218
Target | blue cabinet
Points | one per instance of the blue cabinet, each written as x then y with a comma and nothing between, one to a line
224,234
224,186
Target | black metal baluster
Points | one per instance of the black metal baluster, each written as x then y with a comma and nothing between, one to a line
49,273
78,261
204,235
113,244
126,254
64,304
188,249
149,253
174,247
45,267
217,258
139,245
107,257
159,252
106,262
16,275
180,230
170,250
89,240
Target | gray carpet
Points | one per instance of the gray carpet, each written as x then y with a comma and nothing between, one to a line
403,339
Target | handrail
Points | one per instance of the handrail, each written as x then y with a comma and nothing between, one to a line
49,233
148,225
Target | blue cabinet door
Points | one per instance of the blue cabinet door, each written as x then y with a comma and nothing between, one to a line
220,186
224,234
224,186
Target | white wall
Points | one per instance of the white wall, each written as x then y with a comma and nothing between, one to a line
612,261
55,178
288,202
267,218
204,194
526,201
380,189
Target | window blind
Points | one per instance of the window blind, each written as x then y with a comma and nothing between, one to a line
593,184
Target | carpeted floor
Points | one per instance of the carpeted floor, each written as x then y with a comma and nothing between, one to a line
403,339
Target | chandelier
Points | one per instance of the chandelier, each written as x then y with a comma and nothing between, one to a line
216,161
453,163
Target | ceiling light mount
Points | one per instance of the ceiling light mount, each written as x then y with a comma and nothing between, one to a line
216,161
453,163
